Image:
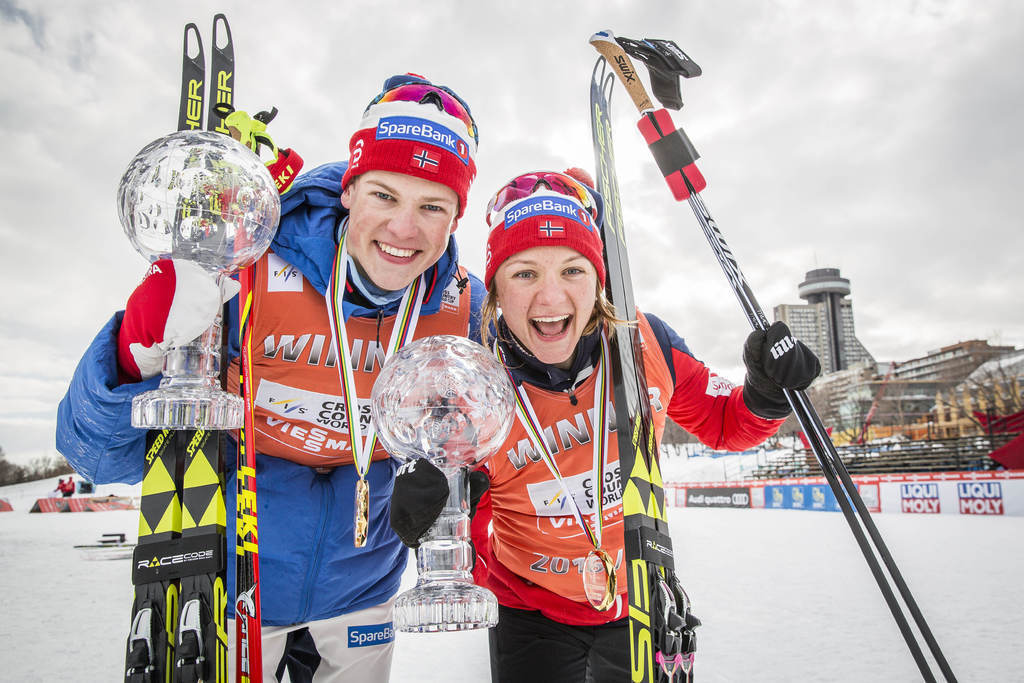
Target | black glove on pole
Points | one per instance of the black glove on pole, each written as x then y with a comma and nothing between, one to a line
775,361
421,491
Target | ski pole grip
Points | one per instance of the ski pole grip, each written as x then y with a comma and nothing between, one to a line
604,42
284,168
673,152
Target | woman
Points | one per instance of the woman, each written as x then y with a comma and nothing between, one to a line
547,540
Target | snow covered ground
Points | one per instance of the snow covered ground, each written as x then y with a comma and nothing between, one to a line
784,596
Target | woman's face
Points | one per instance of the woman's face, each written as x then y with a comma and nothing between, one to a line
547,295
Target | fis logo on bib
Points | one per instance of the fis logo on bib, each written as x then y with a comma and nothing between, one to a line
424,131
561,207
283,276
370,634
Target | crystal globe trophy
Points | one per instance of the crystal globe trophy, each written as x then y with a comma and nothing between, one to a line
449,400
207,198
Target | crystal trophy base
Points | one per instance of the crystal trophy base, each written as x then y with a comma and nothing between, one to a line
445,597
187,408
449,401
445,606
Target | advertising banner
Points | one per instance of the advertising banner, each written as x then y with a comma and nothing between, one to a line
932,493
719,497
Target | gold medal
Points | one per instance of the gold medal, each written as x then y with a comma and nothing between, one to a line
599,579
362,516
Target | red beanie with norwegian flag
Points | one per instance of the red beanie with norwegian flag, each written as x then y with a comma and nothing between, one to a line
545,218
419,129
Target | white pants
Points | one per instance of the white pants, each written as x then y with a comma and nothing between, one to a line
354,648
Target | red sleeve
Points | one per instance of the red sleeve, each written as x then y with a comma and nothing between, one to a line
479,531
712,408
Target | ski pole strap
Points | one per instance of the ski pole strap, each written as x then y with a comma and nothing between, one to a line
665,64
284,168
250,131
673,152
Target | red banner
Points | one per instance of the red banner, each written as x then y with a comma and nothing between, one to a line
1010,455
1001,424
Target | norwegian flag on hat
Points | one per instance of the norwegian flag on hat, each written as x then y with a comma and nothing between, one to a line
549,229
421,158
420,129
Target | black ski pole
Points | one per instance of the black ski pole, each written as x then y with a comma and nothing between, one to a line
676,158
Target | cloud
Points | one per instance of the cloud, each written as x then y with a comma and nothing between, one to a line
36,25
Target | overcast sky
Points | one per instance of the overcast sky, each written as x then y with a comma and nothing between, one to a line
882,138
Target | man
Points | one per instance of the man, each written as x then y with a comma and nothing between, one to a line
364,242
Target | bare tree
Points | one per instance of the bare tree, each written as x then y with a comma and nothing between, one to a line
9,472
995,392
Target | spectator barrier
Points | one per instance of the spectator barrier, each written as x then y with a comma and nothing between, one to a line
963,493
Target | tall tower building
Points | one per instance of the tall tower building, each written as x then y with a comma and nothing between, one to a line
825,322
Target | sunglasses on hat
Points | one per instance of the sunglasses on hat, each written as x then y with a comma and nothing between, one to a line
426,93
530,183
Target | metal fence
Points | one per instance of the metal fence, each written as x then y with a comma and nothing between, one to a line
969,453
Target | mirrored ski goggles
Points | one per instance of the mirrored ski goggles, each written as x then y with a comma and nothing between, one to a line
529,183
438,95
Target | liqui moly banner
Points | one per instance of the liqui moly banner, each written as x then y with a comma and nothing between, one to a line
938,493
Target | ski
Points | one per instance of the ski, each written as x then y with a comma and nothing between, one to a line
248,648
179,616
661,628
150,649
179,619
222,75
201,638
676,159
112,546
193,82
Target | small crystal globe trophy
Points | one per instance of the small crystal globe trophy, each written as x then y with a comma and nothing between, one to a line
449,400
206,198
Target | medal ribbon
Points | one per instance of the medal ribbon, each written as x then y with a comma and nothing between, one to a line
528,418
405,327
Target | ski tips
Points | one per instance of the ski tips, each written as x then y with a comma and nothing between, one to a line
605,36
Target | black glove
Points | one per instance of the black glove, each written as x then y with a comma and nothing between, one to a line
479,482
775,361
421,490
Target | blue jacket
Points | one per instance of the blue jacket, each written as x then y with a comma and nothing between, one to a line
309,569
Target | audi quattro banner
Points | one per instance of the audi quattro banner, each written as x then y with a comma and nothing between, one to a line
718,497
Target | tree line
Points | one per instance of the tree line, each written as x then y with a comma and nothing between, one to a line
43,467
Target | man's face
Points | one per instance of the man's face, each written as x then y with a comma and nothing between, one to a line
398,225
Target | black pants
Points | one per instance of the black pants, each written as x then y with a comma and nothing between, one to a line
527,647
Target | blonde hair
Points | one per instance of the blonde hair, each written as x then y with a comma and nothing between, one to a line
602,315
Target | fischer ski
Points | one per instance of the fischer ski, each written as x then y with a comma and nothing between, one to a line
179,618
676,157
222,75
179,626
150,650
201,640
661,626
193,82
178,630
